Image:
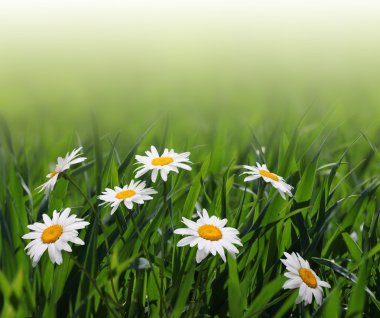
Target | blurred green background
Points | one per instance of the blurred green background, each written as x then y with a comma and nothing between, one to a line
236,65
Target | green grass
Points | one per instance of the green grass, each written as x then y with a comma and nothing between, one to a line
332,162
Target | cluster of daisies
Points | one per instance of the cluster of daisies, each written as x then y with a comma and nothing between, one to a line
208,233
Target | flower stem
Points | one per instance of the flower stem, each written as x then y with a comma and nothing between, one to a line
96,216
163,231
162,298
93,281
196,287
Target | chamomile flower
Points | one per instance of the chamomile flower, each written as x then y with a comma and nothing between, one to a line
62,165
262,150
210,235
261,171
303,277
132,192
168,161
54,235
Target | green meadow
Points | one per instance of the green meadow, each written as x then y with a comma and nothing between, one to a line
302,105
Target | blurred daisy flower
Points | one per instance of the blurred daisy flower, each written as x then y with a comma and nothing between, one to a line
303,277
210,235
62,165
260,151
132,192
54,235
168,161
261,171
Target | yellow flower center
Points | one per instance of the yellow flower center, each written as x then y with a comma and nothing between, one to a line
162,161
210,232
125,194
53,173
269,175
51,234
308,277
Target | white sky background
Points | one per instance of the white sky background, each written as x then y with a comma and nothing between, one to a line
223,43
270,25
77,15
344,33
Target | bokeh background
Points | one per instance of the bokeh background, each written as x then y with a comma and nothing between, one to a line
200,66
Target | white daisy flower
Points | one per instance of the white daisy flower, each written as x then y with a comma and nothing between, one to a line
168,161
54,235
262,151
210,235
261,171
62,165
303,277
132,192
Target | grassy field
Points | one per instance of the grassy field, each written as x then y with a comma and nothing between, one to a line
332,220
224,86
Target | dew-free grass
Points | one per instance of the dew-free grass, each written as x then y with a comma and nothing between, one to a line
130,264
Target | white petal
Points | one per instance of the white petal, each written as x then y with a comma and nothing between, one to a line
64,215
212,248
55,217
38,255
58,256
228,246
184,231
65,247
291,275
197,240
164,175
324,284
128,204
292,283
251,178
205,215
38,227
52,253
318,296
201,255
32,243
222,223
302,262
185,241
141,172
114,209
190,224
141,159
220,250
309,295
77,240
46,219
182,166
207,247
294,259
154,175
154,151
302,291
77,226
32,235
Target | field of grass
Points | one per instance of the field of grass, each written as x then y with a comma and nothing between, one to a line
332,220
224,85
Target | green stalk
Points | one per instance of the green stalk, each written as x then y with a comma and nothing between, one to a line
196,287
251,221
162,298
163,230
93,281
92,208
